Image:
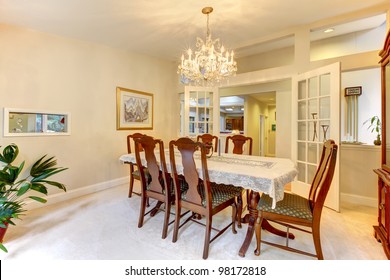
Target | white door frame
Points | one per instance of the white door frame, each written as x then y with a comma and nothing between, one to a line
261,134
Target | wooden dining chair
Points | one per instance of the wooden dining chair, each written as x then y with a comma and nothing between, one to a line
207,139
238,148
297,212
134,172
156,182
202,197
238,144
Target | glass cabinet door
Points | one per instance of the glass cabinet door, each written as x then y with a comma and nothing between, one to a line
200,113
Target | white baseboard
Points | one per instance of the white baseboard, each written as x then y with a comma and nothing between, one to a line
360,200
60,197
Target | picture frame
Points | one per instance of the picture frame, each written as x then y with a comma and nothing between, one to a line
134,109
351,91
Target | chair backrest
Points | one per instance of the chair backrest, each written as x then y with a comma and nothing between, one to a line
323,178
238,144
187,148
207,139
132,137
153,179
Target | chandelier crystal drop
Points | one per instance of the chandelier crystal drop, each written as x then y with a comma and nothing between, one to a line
209,64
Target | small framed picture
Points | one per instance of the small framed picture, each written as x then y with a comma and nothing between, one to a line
134,109
350,91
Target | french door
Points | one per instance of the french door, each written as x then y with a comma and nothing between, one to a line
201,111
316,118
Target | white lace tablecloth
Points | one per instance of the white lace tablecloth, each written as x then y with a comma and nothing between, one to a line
262,174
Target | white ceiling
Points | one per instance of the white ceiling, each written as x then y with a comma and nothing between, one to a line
165,28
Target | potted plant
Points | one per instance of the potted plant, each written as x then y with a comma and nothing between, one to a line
14,191
376,126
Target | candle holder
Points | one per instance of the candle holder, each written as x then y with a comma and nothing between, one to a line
325,130
315,126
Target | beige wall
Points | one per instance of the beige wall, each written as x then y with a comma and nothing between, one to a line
358,182
269,59
283,124
252,121
357,42
46,72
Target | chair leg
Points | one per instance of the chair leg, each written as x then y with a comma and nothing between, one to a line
207,237
142,210
177,221
317,242
234,218
239,210
259,220
131,185
248,198
166,219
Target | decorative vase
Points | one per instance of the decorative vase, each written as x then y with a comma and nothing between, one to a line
3,231
378,141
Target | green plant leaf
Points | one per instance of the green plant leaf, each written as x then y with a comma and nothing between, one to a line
11,222
39,199
39,188
25,186
41,166
10,153
56,184
5,177
3,248
47,173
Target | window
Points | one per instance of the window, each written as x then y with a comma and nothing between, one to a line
22,122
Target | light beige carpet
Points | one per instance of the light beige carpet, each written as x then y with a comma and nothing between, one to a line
103,226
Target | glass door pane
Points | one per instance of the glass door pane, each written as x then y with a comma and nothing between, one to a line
313,87
199,110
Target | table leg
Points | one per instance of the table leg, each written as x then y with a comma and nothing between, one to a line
251,219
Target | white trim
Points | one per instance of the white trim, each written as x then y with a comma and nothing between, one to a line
363,147
359,200
63,196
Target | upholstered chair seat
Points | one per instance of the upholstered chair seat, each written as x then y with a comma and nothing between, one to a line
292,205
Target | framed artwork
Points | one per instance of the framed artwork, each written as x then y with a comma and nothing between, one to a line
134,109
350,91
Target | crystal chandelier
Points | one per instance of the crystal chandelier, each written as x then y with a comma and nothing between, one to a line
210,63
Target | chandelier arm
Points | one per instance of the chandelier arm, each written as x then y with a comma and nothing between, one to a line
208,29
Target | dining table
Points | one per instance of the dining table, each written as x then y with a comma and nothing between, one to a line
258,174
